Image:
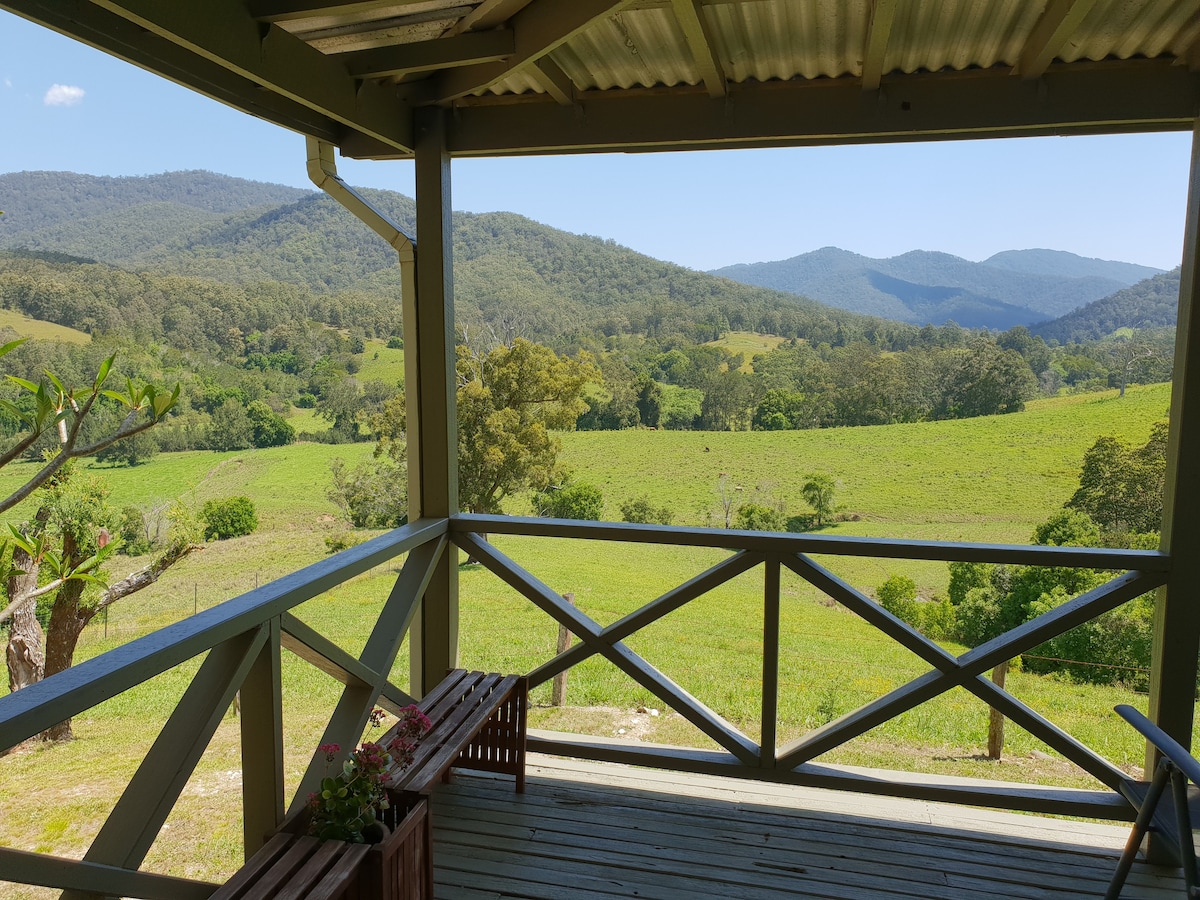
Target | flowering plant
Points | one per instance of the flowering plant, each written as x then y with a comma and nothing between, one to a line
347,805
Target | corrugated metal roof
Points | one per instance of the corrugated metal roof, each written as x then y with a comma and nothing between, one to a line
643,45
640,73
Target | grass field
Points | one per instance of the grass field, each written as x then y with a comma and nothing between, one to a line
747,342
38,330
989,479
379,363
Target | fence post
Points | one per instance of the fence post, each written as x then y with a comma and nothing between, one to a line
558,695
995,717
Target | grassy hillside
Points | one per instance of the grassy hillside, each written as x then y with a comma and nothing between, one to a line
990,478
38,330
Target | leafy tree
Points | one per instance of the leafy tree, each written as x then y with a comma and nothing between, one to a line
267,427
579,500
510,399
649,401
228,518
230,428
1120,487
818,491
56,540
986,380
641,511
374,494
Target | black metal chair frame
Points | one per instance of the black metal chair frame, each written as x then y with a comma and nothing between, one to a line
1177,767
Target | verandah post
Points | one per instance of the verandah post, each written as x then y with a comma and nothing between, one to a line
1177,615
430,398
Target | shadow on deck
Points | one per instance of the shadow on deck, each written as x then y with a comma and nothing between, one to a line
592,830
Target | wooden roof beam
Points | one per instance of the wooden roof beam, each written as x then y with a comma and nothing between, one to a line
700,42
426,56
1058,22
489,14
539,28
1136,96
879,29
224,33
553,80
288,10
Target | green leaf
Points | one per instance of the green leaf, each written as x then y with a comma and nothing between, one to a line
25,383
58,384
105,368
118,396
12,345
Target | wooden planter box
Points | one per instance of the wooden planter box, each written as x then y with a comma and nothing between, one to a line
293,865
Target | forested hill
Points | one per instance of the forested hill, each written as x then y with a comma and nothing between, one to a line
1152,303
1012,288
510,272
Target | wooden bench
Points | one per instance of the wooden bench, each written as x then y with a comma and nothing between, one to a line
478,722
293,865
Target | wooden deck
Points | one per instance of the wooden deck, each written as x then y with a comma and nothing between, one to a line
591,830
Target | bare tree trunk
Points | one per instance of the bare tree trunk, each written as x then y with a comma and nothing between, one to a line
24,656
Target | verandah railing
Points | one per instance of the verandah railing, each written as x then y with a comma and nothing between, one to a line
1138,573
243,639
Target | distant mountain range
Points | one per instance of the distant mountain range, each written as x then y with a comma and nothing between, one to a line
546,282
1016,287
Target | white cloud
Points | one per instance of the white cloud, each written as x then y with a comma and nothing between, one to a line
63,95
8,82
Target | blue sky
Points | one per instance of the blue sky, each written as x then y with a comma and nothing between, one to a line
65,106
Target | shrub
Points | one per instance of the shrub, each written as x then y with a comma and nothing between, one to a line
756,517
135,539
231,517
898,595
641,511
574,501
395,343
336,543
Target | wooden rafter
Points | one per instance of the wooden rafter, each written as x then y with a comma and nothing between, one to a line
1052,31
224,33
879,29
553,80
489,14
425,56
701,44
287,10
539,28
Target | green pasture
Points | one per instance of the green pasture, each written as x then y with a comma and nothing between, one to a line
987,479
38,330
379,363
748,343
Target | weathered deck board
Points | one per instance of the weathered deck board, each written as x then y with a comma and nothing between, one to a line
594,831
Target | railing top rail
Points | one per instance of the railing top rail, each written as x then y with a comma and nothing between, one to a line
834,545
96,680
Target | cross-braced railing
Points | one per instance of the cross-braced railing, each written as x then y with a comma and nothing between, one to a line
243,639
1140,572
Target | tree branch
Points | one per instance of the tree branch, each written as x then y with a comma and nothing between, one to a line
143,578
